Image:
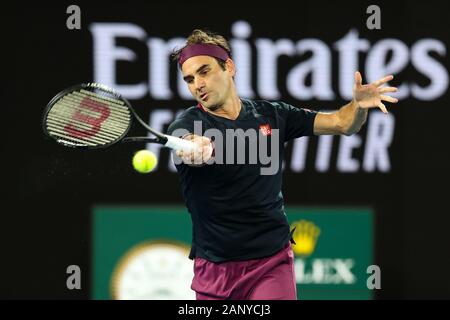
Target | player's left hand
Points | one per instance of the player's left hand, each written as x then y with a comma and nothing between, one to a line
371,95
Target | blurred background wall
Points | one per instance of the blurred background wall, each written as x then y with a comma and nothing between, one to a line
302,52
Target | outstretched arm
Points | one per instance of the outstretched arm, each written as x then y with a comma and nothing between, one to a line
350,118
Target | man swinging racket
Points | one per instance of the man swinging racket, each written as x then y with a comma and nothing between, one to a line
241,242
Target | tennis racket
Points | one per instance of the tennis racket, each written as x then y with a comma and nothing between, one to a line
92,116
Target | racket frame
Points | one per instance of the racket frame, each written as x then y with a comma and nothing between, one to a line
159,137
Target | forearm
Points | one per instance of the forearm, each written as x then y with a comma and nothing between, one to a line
351,118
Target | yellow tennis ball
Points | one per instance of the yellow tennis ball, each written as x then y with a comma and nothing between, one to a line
144,161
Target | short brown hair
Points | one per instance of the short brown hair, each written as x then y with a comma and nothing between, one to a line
207,37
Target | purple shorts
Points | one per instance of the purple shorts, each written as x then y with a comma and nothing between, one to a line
270,278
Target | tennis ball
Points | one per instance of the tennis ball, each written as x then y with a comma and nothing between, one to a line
144,161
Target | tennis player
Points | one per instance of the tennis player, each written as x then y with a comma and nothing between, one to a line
241,242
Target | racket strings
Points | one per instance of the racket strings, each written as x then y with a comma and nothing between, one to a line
60,118
68,104
85,118
62,121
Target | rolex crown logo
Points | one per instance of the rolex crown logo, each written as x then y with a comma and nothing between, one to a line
305,236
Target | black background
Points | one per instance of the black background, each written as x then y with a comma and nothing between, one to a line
50,190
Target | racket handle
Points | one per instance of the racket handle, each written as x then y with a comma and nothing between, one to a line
180,144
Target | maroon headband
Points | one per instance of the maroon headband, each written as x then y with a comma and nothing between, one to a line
202,49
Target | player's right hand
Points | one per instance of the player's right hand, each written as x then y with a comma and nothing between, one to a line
199,156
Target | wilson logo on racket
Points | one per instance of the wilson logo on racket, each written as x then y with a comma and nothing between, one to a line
95,116
81,115
265,129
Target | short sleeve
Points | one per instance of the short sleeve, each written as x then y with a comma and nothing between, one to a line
298,122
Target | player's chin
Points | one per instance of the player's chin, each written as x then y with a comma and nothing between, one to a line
209,103
204,102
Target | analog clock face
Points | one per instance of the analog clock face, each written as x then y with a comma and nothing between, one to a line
154,271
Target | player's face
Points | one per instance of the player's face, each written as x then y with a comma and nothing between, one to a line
208,83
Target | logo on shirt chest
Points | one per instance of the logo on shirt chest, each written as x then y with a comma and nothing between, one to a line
265,129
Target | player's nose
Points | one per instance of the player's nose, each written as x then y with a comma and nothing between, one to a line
199,85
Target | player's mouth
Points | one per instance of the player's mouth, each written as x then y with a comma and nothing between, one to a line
204,96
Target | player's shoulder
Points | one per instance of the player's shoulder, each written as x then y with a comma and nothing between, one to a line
265,106
189,115
277,106
186,119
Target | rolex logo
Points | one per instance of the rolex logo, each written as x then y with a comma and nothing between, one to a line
305,237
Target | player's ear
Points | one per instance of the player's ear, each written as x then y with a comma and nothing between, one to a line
230,67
